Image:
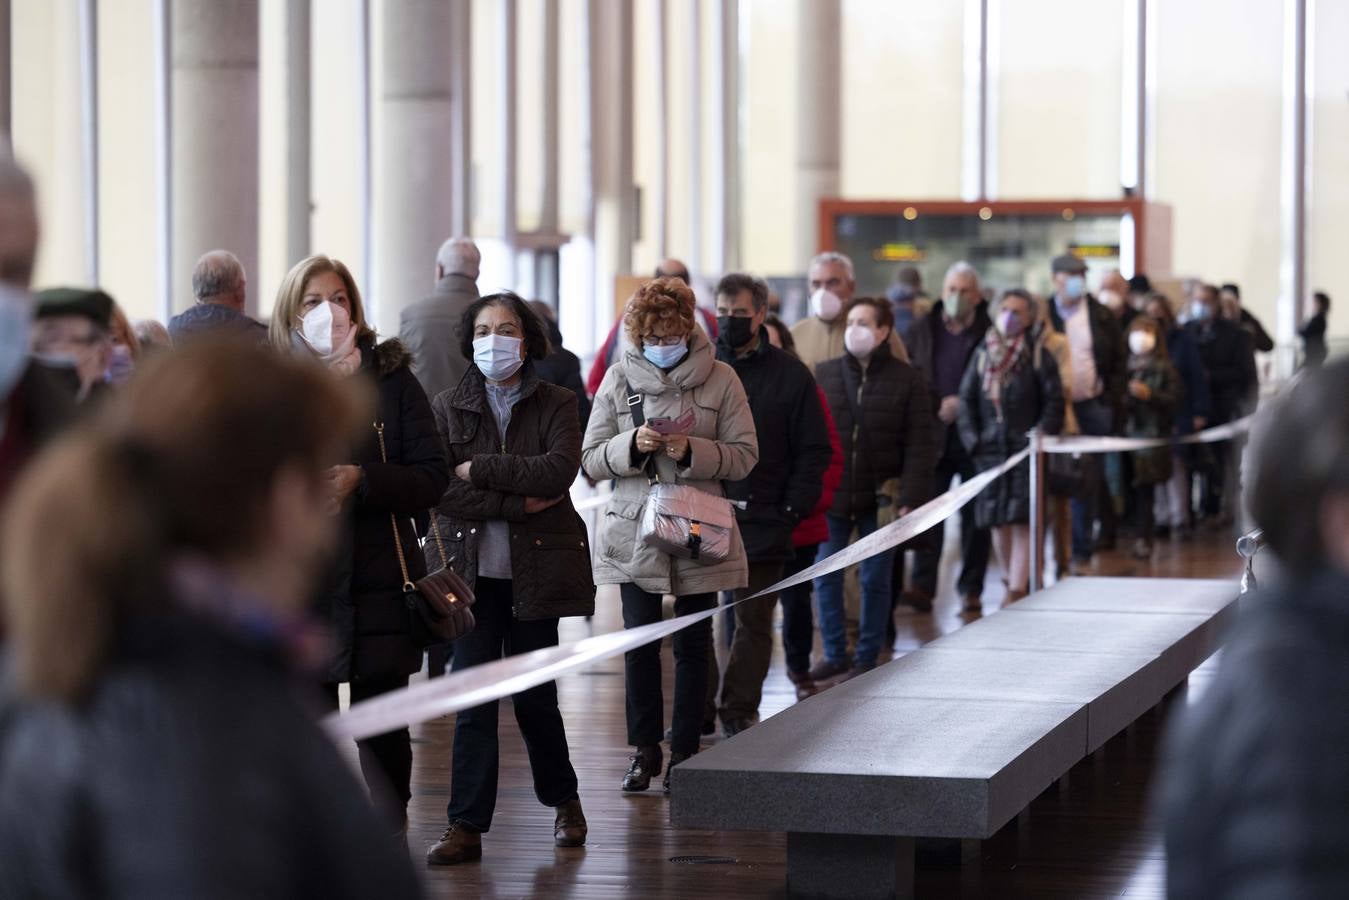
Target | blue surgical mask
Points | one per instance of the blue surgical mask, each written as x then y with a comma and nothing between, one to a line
497,356
664,357
16,324
1074,287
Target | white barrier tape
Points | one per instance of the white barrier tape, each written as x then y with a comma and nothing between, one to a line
504,677
934,512
494,680
1083,444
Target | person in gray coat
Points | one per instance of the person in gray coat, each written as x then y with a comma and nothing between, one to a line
1256,781
668,370
429,329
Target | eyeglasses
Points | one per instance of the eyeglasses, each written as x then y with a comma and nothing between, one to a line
669,340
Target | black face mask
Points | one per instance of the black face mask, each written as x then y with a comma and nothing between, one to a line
734,331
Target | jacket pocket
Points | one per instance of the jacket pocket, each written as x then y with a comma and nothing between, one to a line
561,576
618,534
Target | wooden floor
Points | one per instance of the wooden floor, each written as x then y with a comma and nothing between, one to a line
1088,838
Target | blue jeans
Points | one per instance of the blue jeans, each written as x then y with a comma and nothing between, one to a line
876,577
1094,418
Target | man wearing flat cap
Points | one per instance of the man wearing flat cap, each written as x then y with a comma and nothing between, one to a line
72,329
1100,360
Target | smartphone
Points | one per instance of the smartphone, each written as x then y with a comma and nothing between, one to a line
666,425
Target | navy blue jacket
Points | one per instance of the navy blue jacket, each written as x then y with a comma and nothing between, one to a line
1195,400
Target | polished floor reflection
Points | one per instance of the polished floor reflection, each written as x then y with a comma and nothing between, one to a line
1087,837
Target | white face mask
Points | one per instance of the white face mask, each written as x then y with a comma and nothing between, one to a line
825,305
16,325
1141,342
860,340
325,327
497,356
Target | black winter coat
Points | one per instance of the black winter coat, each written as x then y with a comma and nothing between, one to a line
1110,351
1256,780
1032,397
365,601
538,457
895,438
195,769
794,450
1229,359
922,342
563,368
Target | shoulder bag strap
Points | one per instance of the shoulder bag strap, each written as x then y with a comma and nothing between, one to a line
408,586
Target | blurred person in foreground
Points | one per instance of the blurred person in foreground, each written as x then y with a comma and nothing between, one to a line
398,471
1256,781
73,331
884,416
156,737
1010,388
668,371
783,488
798,616
506,525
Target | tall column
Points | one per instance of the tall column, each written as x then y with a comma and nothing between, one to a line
214,155
723,223
613,215
819,99
660,199
1293,187
693,138
507,100
297,69
461,110
552,100
413,200
6,79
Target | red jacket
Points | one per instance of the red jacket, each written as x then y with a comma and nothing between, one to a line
815,530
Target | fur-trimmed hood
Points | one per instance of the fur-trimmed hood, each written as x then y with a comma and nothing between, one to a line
384,358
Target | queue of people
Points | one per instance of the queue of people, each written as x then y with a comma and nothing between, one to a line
359,466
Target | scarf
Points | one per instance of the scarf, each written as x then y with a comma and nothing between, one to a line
345,358
1004,359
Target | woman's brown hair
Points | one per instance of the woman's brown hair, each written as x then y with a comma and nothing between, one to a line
660,301
181,461
290,298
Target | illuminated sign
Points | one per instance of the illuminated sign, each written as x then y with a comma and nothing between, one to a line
1094,251
899,253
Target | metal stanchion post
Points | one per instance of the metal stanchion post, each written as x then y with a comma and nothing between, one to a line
1037,511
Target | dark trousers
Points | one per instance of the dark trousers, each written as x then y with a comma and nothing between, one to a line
386,759
646,701
1094,418
473,790
1143,498
975,544
752,646
798,618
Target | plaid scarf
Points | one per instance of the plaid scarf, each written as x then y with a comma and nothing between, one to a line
1004,359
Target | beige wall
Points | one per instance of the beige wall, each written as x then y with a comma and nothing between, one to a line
768,220
1328,213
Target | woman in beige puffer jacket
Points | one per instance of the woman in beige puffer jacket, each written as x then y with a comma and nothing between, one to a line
672,366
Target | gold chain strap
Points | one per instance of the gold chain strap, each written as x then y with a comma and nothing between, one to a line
408,586
393,522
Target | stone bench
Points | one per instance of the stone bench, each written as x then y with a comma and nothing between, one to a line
955,739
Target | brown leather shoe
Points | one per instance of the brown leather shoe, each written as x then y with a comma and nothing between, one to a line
569,830
457,845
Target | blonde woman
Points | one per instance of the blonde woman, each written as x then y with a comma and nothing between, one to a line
398,468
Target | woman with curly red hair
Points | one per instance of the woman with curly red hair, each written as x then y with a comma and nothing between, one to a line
668,371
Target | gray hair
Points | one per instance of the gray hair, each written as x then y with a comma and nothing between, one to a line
960,267
832,256
459,256
216,274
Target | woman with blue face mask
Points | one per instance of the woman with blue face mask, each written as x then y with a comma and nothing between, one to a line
506,525
668,411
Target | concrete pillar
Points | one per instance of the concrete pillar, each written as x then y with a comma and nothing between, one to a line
214,155
693,139
552,101
660,199
723,222
413,200
507,104
297,75
461,115
1293,185
613,216
6,79
818,128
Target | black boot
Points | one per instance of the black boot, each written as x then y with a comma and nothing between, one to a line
642,767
